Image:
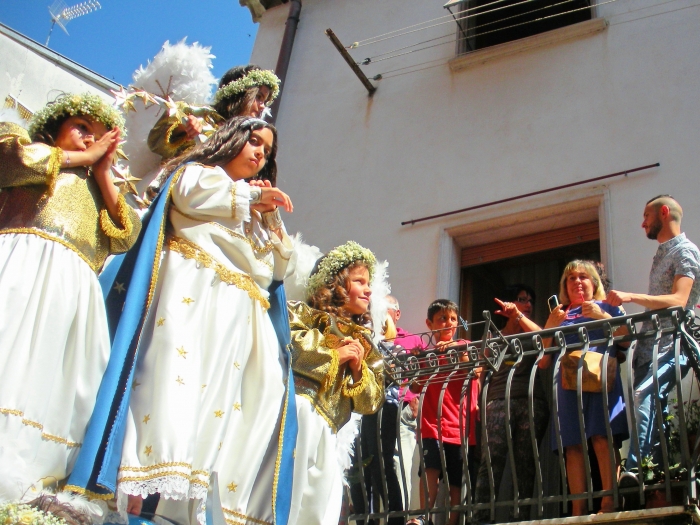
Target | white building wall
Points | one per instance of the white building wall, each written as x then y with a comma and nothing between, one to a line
35,75
432,141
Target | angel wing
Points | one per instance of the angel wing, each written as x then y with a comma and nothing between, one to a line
180,72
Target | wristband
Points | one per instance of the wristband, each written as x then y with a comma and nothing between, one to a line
67,158
520,316
255,195
272,219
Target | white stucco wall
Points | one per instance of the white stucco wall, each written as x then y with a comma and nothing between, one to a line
35,75
432,141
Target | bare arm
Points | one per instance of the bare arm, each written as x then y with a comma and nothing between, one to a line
102,173
517,322
556,317
680,292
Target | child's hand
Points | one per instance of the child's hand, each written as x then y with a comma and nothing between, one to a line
272,198
98,150
192,127
101,168
351,351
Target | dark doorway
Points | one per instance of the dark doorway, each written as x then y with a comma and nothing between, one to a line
541,271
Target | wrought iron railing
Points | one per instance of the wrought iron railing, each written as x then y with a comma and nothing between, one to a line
674,477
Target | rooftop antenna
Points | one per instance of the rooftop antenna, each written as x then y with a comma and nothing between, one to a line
61,14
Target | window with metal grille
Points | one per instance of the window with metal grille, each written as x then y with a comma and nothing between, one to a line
486,23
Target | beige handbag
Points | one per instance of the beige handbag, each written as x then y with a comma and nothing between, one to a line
592,377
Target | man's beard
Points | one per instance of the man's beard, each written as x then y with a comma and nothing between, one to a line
654,229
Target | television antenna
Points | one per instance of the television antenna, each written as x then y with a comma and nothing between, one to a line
61,14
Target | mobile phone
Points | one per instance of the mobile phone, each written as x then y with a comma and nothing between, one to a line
553,302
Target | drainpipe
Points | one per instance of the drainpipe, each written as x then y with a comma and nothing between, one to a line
285,55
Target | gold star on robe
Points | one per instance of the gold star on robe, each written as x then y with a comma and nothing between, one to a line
237,365
182,352
232,487
148,450
161,321
146,418
187,300
236,406
219,413
204,386
180,380
135,384
119,287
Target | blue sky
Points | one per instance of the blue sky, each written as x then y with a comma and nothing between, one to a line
124,34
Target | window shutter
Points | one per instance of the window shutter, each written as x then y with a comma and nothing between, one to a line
536,242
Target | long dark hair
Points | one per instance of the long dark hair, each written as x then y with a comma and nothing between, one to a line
240,103
332,298
225,144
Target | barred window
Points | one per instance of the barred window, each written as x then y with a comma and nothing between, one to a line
486,23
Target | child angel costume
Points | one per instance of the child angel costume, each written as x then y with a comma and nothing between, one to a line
55,234
209,384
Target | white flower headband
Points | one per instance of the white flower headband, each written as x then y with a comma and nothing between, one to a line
254,78
337,259
70,105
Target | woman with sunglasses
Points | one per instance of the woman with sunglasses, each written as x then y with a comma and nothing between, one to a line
518,308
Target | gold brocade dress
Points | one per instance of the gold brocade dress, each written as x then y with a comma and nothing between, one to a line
326,395
54,236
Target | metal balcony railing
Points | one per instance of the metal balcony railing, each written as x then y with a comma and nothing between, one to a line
375,500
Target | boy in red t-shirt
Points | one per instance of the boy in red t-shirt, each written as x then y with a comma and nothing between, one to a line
443,319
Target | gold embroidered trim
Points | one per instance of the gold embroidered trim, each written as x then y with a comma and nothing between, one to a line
193,481
39,233
54,168
190,250
259,251
158,466
244,517
161,237
88,493
333,367
108,226
354,389
174,147
39,426
267,248
280,446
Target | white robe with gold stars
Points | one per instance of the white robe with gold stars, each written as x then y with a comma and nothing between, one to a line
209,383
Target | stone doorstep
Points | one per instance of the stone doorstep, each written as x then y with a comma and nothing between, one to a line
671,515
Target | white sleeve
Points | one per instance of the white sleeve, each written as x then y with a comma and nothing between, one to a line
203,191
284,254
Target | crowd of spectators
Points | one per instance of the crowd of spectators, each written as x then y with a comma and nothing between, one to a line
584,295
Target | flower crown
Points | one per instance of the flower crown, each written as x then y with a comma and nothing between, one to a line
70,105
338,259
21,514
254,78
